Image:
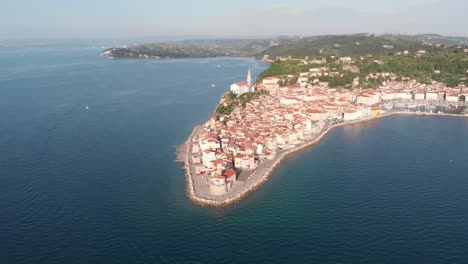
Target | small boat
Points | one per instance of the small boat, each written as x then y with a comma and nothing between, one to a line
86,107
213,85
218,66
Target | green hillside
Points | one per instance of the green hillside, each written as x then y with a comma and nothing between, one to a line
342,45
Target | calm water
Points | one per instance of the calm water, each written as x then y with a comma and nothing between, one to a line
98,185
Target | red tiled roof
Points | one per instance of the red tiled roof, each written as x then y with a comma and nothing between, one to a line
229,173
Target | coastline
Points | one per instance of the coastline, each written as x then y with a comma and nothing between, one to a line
203,201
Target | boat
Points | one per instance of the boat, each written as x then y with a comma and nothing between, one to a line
213,85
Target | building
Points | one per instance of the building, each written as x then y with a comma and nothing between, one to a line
368,99
218,185
419,96
351,115
239,88
452,98
243,87
432,96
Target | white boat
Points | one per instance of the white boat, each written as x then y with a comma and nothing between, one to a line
213,85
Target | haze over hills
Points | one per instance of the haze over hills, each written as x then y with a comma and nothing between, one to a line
295,46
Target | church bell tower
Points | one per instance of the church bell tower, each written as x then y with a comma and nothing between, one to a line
249,79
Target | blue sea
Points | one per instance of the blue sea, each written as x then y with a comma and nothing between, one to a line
87,173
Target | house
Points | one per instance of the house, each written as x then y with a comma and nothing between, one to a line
315,114
270,83
345,60
207,156
231,178
302,81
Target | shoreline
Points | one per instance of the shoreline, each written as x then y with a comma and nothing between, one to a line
191,193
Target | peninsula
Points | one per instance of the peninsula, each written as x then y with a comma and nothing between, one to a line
297,101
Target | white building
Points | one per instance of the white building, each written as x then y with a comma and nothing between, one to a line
364,111
302,81
387,96
367,99
452,97
345,60
289,101
419,96
240,88
432,96
403,95
351,115
207,156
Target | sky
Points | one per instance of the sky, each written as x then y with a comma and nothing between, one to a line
227,18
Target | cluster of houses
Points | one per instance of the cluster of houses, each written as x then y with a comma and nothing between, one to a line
412,90
285,117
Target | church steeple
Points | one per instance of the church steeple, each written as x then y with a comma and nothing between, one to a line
249,79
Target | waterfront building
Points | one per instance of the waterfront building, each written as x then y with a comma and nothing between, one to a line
419,96
432,96
218,185
351,114
452,97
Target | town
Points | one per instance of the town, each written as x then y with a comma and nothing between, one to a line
231,152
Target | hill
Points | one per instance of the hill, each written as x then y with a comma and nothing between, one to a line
192,49
340,45
436,39
294,46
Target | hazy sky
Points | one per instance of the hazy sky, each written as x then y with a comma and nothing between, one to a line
140,18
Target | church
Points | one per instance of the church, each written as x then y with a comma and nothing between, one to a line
242,87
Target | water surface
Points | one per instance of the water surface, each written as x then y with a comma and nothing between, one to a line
98,185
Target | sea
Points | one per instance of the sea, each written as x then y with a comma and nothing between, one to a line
87,173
